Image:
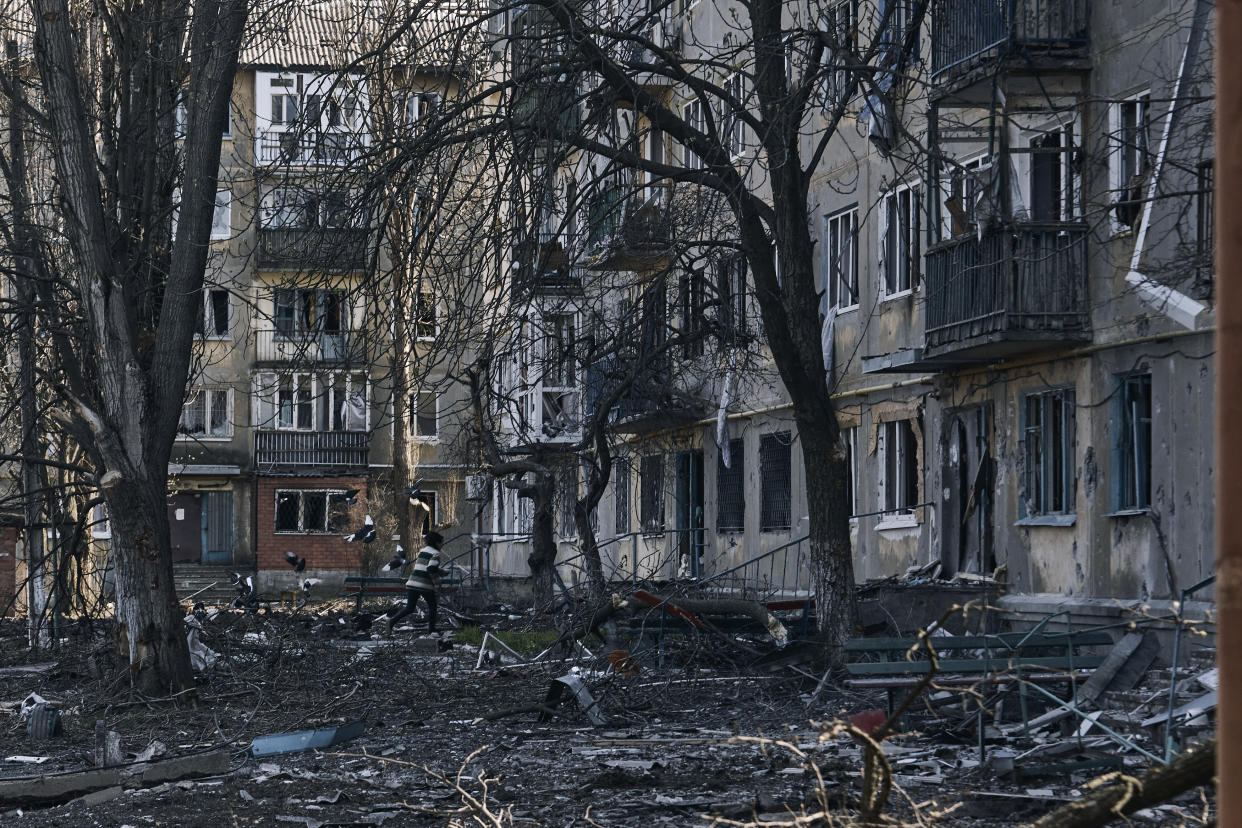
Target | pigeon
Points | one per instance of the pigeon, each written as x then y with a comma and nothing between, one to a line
297,563
415,494
351,497
237,578
366,534
398,562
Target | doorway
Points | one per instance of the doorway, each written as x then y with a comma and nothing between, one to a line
967,470
200,527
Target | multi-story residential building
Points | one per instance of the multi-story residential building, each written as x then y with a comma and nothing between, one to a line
1016,272
290,409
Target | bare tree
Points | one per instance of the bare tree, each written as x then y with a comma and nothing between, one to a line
120,296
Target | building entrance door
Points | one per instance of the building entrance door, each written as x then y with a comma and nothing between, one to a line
690,513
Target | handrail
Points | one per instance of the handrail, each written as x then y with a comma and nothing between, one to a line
753,560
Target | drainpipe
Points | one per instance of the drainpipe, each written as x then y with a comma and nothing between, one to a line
1228,465
1174,304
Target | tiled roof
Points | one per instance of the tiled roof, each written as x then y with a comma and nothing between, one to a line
335,33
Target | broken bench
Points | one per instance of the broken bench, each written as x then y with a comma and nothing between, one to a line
967,661
370,586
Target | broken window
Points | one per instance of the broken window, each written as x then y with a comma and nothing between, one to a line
424,414
1130,159
900,241
731,295
311,511
303,310
730,497
1132,443
214,322
206,414
1054,175
899,467
774,481
838,25
1048,448
1205,215
621,495
733,128
840,265
651,484
849,439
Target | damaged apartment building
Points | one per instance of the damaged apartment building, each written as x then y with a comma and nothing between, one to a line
1013,228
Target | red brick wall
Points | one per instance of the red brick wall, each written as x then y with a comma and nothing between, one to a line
8,568
329,552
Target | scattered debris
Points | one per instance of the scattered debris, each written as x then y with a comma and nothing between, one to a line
279,743
573,684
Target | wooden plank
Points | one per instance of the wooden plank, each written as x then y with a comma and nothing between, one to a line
974,665
1117,658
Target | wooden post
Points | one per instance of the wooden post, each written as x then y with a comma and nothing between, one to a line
1229,404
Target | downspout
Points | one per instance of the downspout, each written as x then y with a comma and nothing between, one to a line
1174,304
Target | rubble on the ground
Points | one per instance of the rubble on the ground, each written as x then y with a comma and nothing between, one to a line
680,734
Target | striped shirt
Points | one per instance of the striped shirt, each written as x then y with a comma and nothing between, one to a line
426,572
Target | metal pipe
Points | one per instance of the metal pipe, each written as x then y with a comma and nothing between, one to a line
1228,460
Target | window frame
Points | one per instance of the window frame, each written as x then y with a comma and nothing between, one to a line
694,114
775,498
731,488
222,215
732,124
331,519
1122,156
898,457
415,416
831,257
622,517
911,253
651,511
206,319
426,325
269,397
1049,443
836,81
1132,452
212,392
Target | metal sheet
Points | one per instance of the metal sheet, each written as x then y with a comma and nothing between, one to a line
278,743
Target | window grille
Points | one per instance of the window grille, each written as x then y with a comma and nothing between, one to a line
651,482
774,481
621,493
730,498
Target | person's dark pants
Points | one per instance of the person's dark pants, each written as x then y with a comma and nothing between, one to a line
412,594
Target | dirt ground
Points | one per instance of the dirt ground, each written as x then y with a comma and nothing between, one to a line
703,739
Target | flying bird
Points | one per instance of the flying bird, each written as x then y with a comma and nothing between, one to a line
351,497
308,583
415,494
297,563
366,534
398,561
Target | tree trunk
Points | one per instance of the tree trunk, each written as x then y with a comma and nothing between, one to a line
542,559
590,552
1190,770
146,600
832,558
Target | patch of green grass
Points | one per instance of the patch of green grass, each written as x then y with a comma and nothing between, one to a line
527,643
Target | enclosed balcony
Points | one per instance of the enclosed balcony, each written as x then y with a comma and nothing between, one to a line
278,449
970,34
294,347
303,147
320,248
1022,287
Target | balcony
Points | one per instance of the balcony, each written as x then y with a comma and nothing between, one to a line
651,403
629,235
1020,288
544,266
321,248
968,34
310,348
310,449
299,147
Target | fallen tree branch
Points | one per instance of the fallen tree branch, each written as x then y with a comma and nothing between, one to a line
1119,795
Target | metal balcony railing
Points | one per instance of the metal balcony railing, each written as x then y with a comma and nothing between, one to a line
340,248
310,347
299,147
965,30
1020,279
324,449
